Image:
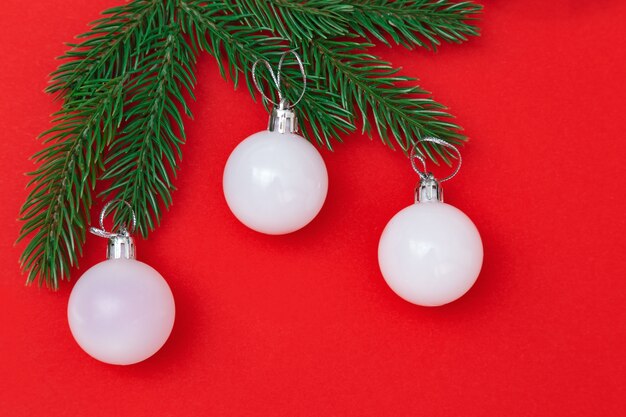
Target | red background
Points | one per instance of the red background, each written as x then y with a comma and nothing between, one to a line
304,325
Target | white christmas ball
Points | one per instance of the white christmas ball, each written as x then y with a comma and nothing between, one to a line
275,183
430,253
121,311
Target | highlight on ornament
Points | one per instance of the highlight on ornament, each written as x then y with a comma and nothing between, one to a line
430,253
275,181
121,311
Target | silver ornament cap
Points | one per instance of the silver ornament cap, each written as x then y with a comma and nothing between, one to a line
428,189
283,119
121,246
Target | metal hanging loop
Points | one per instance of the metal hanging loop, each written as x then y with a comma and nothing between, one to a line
102,232
425,175
276,78
429,187
121,244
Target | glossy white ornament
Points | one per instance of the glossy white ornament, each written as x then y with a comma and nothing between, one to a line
430,253
275,183
121,311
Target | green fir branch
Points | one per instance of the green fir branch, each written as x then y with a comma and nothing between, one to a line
369,85
299,20
109,49
242,46
342,68
57,210
126,81
422,23
143,158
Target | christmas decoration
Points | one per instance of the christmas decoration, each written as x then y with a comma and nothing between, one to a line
121,311
430,253
275,181
126,83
